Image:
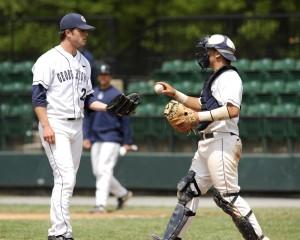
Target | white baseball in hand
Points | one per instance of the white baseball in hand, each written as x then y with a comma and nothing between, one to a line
123,151
158,88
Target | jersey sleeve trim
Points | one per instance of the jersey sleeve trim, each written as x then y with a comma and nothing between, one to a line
90,92
234,103
40,82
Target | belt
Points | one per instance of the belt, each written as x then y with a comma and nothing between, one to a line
203,136
72,119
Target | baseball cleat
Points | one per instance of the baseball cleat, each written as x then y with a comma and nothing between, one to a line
123,200
98,209
59,238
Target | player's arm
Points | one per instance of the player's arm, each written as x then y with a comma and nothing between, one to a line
87,128
39,103
92,103
188,101
222,113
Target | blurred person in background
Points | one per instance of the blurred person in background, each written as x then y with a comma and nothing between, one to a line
106,134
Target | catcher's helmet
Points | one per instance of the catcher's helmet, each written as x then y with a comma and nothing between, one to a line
220,42
104,69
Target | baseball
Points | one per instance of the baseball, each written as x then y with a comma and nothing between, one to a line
158,88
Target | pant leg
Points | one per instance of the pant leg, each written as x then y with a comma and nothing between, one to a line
106,160
116,188
204,183
76,145
223,166
95,156
60,159
222,163
199,166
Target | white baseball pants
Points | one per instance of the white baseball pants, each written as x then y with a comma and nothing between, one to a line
64,157
104,156
216,164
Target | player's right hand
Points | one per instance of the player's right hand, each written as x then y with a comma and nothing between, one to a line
49,135
168,89
87,144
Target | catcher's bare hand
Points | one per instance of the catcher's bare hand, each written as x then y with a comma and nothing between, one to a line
168,89
49,135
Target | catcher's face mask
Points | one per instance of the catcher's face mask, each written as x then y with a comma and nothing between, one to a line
202,53
219,42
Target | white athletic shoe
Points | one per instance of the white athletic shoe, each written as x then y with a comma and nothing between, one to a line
98,209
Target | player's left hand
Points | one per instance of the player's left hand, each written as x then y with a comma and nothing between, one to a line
87,144
131,147
127,147
124,104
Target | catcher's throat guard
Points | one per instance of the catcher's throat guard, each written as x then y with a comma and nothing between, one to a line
124,104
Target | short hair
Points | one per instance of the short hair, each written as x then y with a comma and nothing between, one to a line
63,33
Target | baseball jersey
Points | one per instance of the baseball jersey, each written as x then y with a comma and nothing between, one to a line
67,81
227,88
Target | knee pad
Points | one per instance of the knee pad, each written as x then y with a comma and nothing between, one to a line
187,188
242,222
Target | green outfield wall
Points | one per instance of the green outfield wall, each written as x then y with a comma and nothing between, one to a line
153,171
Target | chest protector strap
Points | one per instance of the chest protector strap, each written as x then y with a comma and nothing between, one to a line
208,101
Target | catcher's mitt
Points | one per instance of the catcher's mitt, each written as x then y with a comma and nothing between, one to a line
124,105
181,118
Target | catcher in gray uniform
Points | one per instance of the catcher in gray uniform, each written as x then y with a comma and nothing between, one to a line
215,163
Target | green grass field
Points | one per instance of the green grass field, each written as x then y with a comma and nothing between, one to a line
139,223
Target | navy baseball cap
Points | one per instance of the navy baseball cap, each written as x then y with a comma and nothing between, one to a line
104,69
74,20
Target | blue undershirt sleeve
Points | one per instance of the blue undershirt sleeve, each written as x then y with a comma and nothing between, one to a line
89,99
39,97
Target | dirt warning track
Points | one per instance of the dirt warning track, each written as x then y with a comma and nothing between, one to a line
82,215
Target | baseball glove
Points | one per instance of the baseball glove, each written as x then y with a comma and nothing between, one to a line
181,118
124,105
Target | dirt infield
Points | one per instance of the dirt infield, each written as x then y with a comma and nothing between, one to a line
134,214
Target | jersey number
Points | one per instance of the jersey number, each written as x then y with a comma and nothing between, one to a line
83,90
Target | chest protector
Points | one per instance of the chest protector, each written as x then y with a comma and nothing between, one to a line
207,99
